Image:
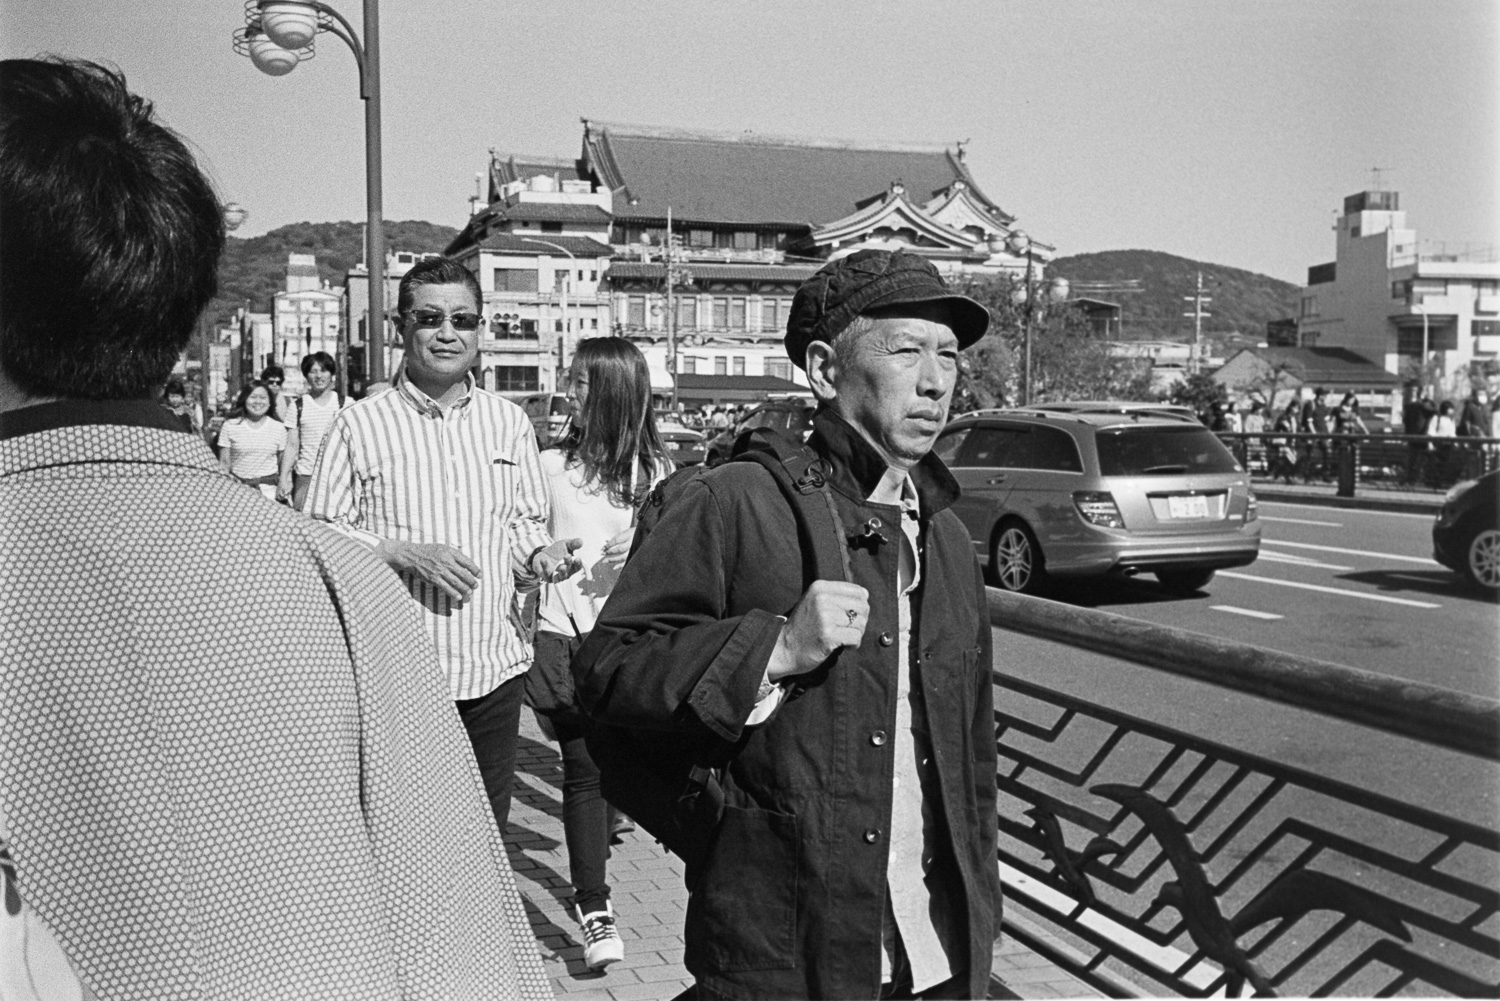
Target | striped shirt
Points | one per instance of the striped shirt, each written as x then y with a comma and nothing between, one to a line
396,466
311,417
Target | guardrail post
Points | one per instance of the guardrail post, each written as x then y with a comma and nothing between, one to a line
1348,467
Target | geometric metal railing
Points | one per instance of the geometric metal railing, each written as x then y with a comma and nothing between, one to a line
1150,861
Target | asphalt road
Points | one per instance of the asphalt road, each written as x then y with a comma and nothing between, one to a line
1353,587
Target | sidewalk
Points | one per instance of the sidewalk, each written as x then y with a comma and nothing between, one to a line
650,903
1369,498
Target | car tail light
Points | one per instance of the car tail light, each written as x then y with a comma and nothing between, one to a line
1098,508
1251,506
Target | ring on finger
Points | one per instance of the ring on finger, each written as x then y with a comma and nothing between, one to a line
853,614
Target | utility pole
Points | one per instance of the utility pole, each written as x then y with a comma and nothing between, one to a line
669,261
1197,299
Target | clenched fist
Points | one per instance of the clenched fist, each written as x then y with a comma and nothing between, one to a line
832,614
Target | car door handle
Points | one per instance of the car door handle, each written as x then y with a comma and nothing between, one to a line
997,479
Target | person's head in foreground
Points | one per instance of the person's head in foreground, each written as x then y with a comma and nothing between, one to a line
878,333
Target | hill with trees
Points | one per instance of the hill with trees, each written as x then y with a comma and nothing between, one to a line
1243,301
254,269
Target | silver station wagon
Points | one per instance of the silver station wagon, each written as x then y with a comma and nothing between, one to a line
1059,494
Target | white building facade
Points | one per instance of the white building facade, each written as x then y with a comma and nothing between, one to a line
1403,308
306,317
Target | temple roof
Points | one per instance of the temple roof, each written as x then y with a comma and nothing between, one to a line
744,178
515,243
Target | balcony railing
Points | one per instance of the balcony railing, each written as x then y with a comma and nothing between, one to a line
1148,860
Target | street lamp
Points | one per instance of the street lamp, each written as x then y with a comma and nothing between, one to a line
1019,243
563,303
278,34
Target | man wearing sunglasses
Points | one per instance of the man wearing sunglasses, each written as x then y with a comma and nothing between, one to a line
442,479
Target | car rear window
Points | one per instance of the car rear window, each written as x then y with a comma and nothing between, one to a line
1161,451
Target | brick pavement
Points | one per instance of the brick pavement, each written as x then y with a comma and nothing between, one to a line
650,903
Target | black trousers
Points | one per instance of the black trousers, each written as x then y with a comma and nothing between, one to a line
493,722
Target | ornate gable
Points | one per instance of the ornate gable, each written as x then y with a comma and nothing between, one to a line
958,208
889,221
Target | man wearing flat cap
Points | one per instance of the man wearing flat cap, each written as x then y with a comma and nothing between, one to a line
855,856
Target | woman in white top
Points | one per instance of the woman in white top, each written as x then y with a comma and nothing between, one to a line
252,441
606,462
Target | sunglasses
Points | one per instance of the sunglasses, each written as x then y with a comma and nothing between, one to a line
435,318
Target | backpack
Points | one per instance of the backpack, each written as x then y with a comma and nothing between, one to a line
669,782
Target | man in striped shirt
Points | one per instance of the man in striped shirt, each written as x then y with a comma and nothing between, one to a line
443,481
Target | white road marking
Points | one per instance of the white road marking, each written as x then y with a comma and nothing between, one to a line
1246,611
1352,552
1301,521
1323,507
1299,561
1331,590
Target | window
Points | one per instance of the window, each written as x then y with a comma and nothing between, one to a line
721,314
516,378
1486,328
557,326
635,311
515,280
993,446
559,281
687,313
1309,305
739,364
744,241
770,241
721,365
779,369
1054,449
551,227
528,329
1162,451
737,314
700,238
769,310
689,365
593,276
949,445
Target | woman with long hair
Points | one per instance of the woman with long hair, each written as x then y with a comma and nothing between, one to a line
600,470
253,439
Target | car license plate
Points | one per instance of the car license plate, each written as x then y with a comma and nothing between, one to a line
1188,507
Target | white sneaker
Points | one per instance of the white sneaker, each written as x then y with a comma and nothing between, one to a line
601,941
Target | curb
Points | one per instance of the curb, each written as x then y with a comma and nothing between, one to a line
1365,503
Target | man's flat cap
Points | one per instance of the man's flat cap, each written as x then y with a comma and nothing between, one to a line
868,280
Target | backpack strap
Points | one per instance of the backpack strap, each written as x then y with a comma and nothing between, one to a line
802,476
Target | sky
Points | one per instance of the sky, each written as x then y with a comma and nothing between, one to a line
1226,131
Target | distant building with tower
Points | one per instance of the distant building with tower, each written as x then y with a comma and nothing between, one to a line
1401,307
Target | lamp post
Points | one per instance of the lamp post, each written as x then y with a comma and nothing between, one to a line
278,34
1019,243
234,216
563,301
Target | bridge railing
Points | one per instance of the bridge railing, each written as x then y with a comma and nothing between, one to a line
1147,860
1355,463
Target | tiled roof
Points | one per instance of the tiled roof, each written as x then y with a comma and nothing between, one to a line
552,212
513,243
729,178
1330,365
719,272
516,166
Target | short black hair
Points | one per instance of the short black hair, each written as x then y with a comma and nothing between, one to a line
322,358
272,372
436,271
174,386
110,245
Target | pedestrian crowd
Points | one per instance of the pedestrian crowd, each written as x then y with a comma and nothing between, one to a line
261,708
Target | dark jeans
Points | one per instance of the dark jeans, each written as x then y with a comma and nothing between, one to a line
493,722
586,821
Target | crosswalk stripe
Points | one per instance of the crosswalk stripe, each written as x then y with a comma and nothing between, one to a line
1331,590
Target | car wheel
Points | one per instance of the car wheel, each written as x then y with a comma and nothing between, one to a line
1184,581
1482,559
1016,559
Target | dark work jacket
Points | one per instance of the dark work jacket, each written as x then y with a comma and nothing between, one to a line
790,900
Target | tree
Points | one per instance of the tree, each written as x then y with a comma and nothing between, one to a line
1200,391
1274,372
1067,361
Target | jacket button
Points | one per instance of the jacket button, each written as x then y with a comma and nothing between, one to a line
872,836
878,738
885,639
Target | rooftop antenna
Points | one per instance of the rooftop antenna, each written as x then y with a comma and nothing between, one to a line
959,145
1377,178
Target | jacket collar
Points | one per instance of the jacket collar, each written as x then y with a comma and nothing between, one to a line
99,433
857,467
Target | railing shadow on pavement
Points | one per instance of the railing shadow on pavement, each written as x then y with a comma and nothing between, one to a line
1363,464
1149,861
